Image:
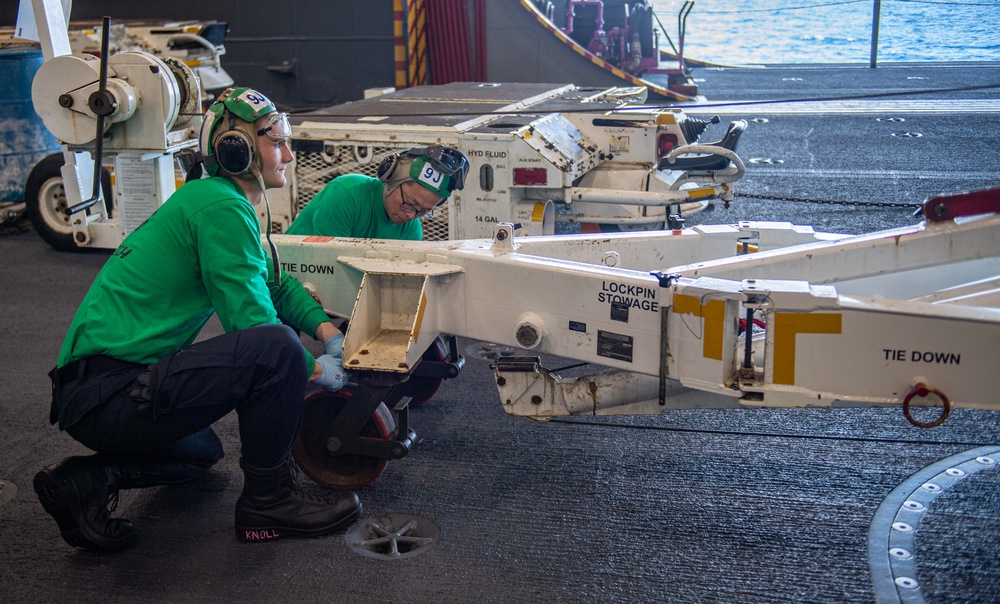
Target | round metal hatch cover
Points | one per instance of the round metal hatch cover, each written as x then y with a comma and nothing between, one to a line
393,536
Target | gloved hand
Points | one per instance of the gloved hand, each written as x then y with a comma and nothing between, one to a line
335,346
333,377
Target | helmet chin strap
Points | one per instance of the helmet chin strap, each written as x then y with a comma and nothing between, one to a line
267,207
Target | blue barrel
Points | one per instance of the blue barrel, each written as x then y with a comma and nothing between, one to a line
24,141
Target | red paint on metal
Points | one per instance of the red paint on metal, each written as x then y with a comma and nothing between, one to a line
967,203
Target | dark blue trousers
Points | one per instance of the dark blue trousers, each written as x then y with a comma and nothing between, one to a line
157,419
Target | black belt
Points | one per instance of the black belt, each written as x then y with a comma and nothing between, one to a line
75,370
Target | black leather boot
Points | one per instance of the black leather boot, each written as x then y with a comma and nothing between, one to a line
272,507
77,493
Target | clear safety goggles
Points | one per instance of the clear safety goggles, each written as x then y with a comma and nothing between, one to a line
276,127
447,161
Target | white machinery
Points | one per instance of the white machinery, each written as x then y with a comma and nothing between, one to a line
910,314
605,162
135,106
593,154
197,43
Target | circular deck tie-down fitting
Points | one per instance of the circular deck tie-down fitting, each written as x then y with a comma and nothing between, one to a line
393,536
892,555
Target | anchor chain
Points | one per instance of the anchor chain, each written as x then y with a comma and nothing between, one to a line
873,204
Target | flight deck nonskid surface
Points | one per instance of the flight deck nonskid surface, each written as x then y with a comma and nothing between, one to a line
767,505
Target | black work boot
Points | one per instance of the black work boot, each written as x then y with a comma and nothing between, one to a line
76,492
272,507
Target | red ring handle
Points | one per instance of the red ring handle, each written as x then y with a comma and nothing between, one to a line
922,390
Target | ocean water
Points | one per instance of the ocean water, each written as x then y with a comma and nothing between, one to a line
834,31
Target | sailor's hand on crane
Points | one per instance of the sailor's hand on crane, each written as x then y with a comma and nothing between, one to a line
335,346
332,375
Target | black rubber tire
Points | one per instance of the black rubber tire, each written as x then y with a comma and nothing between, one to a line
45,202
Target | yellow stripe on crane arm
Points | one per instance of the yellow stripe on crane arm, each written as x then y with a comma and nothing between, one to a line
786,327
702,192
713,313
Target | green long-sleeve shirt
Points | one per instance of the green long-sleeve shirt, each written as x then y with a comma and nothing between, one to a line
197,254
351,206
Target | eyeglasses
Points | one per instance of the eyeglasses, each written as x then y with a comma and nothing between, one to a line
409,208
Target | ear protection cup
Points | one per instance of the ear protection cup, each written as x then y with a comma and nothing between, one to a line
229,145
387,167
235,152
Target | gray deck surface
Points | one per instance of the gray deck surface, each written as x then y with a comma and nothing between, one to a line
692,506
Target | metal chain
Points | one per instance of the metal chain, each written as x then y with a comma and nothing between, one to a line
874,204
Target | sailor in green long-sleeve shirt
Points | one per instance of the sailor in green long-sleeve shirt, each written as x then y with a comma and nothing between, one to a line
410,185
132,384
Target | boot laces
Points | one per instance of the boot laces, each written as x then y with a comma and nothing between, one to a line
303,484
295,471
310,496
112,503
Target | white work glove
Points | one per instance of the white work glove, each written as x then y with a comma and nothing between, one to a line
335,346
333,377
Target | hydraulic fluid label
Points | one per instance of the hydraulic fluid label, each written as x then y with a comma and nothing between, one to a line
614,345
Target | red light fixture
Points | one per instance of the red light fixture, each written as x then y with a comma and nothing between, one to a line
664,144
526,177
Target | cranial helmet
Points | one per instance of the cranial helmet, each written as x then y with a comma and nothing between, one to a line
437,168
228,139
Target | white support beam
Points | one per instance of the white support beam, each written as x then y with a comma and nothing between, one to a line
819,347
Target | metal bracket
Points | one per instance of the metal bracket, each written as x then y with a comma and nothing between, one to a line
948,207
